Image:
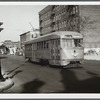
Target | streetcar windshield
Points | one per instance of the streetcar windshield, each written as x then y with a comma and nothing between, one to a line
72,42
78,42
67,42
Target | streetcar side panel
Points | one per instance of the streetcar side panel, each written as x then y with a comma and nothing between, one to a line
55,52
34,49
28,51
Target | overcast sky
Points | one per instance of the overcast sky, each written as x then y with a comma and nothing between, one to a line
16,19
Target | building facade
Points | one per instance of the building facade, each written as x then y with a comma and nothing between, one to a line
58,18
25,37
11,44
11,47
81,18
29,35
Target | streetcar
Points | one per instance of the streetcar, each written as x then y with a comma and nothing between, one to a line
59,48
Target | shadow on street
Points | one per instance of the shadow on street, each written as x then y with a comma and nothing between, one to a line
33,86
73,85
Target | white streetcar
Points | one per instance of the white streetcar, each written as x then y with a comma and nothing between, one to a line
58,48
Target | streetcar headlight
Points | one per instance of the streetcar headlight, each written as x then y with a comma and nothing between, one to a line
75,54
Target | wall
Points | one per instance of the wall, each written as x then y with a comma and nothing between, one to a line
91,30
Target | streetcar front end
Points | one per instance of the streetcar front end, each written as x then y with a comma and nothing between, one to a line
72,49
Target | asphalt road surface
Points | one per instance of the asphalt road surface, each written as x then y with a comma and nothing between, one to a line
35,78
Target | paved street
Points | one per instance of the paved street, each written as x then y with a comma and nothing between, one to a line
34,78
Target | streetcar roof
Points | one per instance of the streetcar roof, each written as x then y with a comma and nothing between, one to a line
56,35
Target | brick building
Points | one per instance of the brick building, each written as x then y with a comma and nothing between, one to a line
58,18
82,18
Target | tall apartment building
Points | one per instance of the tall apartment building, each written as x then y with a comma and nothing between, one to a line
58,18
82,18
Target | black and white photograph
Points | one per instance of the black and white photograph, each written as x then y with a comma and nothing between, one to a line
49,48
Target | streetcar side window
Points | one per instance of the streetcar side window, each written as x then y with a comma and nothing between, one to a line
44,44
47,44
40,45
35,46
56,43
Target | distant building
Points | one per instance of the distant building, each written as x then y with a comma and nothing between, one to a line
11,44
27,36
3,49
81,18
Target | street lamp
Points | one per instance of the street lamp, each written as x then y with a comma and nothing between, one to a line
1,77
5,82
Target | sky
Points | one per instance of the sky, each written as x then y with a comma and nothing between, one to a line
16,20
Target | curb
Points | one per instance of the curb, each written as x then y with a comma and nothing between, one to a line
97,58
91,59
4,85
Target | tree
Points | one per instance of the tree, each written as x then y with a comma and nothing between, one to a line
86,23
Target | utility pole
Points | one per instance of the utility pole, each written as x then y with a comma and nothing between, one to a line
33,29
1,77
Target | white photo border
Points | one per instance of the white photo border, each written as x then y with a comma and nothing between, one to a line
51,95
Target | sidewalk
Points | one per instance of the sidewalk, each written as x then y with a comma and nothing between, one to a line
6,84
92,57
